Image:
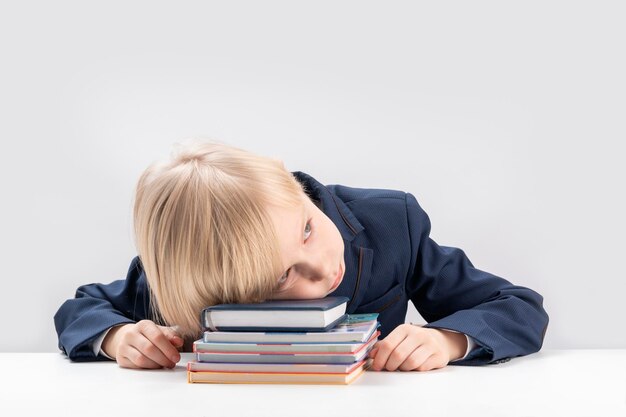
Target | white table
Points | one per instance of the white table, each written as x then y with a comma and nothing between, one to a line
550,383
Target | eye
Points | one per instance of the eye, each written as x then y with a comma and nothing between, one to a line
307,230
284,278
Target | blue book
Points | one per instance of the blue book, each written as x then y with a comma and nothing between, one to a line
316,315
355,328
289,357
201,346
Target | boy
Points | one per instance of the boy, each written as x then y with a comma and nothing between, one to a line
217,224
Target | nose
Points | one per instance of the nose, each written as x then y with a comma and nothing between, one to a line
315,270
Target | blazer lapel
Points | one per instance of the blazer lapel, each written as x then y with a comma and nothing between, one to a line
358,258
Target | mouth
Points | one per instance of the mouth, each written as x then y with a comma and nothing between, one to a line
337,280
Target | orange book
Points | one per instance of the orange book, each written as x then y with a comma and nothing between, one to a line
279,368
278,378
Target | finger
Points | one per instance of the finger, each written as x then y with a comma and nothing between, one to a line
157,346
172,336
130,357
435,361
402,352
417,358
372,353
124,362
151,351
386,346
166,339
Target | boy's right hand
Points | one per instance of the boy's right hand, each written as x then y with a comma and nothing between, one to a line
143,345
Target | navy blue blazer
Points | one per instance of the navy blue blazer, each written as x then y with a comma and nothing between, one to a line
390,259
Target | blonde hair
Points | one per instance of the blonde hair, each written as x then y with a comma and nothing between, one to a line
202,229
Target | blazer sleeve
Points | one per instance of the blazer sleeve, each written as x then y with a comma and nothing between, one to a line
505,320
98,307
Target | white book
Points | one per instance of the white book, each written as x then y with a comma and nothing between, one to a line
279,315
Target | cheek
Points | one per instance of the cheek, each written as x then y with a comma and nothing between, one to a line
335,237
331,234
305,289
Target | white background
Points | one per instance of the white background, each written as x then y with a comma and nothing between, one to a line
506,121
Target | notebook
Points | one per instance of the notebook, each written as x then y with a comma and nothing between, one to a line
354,328
315,315
289,357
278,378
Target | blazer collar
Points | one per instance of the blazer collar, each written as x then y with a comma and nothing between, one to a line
331,205
358,257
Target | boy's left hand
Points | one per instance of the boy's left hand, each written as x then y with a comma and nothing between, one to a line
409,347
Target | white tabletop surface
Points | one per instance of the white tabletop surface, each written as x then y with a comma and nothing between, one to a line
550,383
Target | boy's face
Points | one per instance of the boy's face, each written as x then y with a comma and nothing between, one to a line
311,251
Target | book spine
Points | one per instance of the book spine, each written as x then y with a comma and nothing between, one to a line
208,323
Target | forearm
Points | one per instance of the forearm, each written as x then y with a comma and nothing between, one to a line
498,335
79,322
97,307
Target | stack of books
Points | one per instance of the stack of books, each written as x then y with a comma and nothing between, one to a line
283,342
